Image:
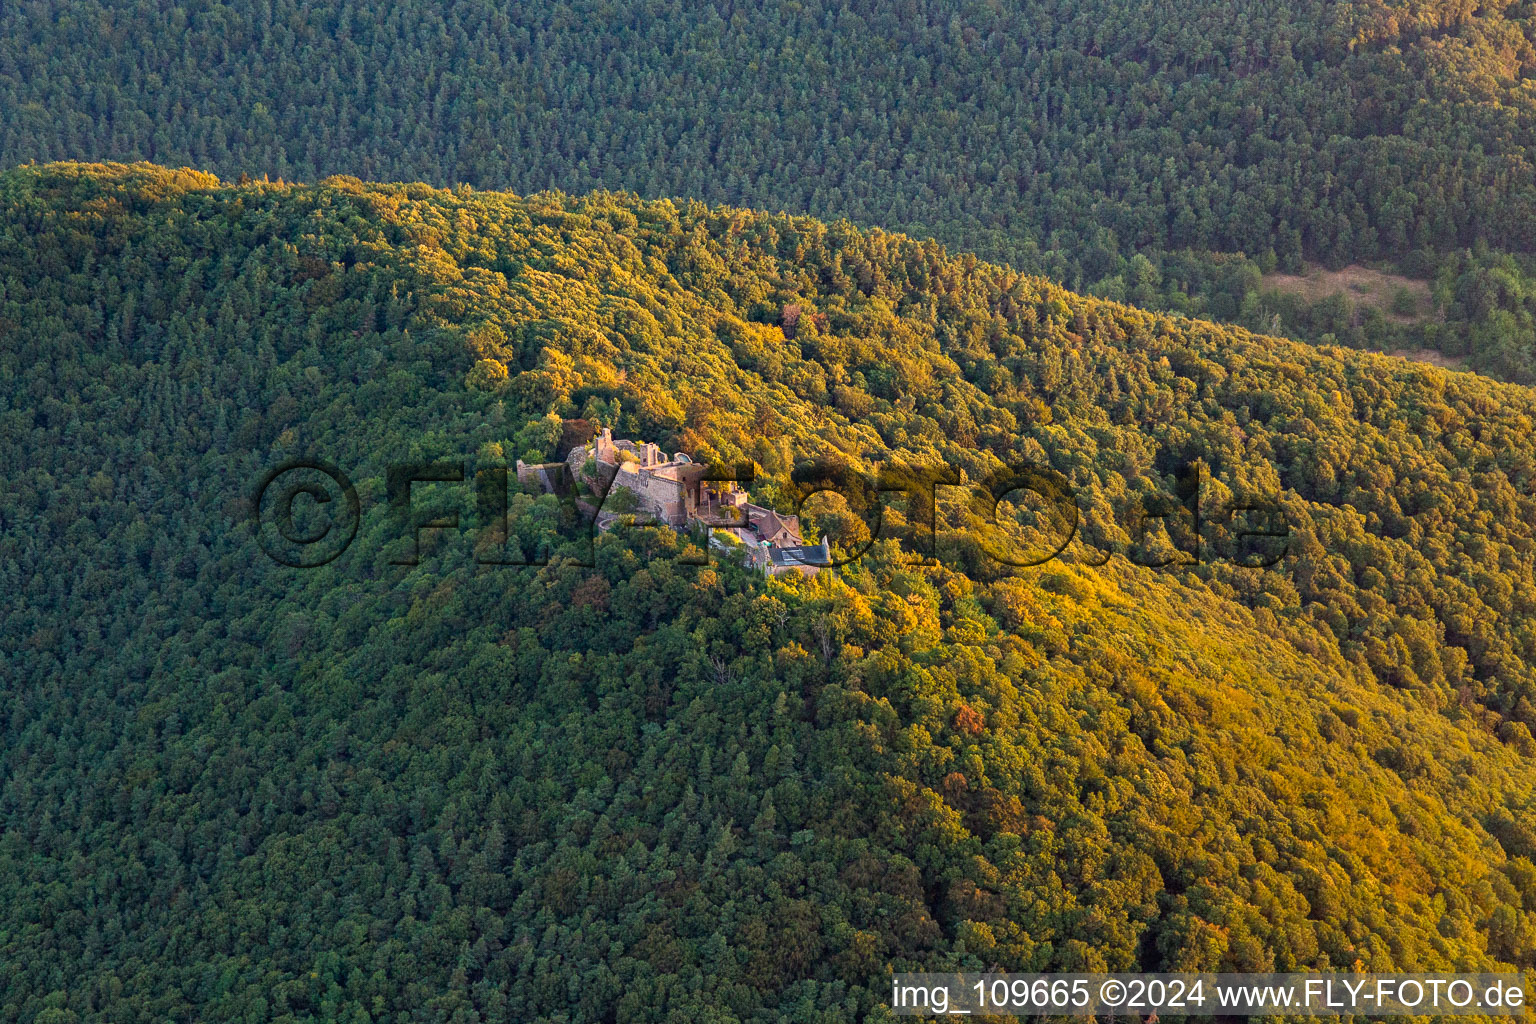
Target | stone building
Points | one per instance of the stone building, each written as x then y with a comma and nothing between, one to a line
672,490
775,560
666,488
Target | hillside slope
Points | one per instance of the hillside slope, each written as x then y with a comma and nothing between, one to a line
1353,130
1170,155
652,790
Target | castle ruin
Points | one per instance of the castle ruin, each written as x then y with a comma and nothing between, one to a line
671,490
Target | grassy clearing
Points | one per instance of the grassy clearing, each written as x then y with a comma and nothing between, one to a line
1402,299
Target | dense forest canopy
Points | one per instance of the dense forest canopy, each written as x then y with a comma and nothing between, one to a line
653,790
1065,137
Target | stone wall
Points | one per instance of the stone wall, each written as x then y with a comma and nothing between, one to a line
660,497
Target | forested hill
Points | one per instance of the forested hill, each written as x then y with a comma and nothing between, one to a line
1356,129
653,790
1061,136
